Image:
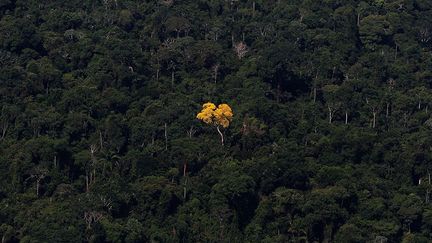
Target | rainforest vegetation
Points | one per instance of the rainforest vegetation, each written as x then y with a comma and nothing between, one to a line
215,121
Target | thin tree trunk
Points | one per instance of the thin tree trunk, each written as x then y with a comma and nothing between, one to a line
333,73
100,140
396,51
374,119
37,187
358,20
278,93
428,189
253,9
232,39
166,137
191,132
185,181
215,74
387,109
185,189
4,130
330,114
172,78
314,94
87,182
328,230
221,135
346,117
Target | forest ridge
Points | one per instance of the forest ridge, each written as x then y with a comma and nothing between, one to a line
215,121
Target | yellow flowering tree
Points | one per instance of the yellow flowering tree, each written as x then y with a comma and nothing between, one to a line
217,116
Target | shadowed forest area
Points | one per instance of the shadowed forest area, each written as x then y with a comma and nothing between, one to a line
319,130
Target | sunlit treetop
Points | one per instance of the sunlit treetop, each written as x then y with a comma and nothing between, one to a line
220,116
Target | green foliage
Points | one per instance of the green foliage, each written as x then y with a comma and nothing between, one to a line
329,142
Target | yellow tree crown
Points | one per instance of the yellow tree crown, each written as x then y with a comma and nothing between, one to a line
219,116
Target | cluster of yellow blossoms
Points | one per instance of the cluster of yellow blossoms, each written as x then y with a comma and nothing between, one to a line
219,116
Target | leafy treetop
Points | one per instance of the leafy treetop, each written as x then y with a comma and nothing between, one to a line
220,116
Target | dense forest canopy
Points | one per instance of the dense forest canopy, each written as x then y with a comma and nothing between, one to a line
329,138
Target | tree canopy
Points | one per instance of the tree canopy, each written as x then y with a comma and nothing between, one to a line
324,121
